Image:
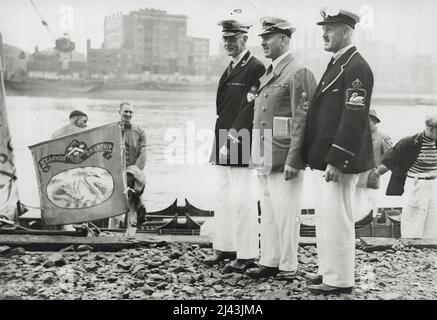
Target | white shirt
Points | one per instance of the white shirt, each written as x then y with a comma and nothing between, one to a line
279,59
341,52
236,60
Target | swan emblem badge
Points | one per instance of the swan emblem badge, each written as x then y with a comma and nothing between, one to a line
356,96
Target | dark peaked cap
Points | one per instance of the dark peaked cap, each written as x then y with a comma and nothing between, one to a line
233,27
331,15
276,25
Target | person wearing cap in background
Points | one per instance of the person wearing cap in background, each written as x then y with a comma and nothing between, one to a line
280,111
338,142
236,225
413,162
366,195
78,122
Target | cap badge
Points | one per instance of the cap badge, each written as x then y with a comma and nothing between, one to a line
305,101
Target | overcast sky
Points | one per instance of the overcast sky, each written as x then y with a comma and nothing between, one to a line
406,23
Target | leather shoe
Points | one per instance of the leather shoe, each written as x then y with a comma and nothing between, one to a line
219,256
286,275
239,265
314,278
262,272
325,289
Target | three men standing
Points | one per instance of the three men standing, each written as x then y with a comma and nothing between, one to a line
338,142
280,112
236,226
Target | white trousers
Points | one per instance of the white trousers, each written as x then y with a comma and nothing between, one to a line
365,200
335,231
419,214
236,213
280,225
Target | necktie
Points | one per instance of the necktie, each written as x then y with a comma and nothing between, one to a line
269,70
230,67
330,63
327,68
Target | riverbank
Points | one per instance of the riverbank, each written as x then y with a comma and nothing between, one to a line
174,271
380,99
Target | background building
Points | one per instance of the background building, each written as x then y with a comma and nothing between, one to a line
148,41
198,56
62,62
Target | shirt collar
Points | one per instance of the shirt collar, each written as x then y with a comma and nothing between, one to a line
341,52
279,59
425,137
238,58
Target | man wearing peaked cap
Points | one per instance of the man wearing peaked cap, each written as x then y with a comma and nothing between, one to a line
331,16
236,219
276,25
233,27
338,142
280,111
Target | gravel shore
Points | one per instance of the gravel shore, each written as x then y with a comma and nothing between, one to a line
175,271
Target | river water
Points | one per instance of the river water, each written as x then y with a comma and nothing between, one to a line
175,168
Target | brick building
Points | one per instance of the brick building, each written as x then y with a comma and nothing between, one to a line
148,40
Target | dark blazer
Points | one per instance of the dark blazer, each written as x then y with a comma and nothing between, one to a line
399,160
337,128
234,111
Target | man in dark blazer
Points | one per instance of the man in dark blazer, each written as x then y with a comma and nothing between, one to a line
236,214
280,111
338,142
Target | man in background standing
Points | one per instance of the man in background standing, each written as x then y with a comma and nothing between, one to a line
236,225
78,122
366,195
413,162
135,150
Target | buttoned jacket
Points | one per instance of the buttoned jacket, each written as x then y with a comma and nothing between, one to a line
235,111
283,93
337,130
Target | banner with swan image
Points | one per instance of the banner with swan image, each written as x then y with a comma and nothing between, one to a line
81,176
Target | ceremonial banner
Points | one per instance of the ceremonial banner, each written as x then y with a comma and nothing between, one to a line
81,176
8,178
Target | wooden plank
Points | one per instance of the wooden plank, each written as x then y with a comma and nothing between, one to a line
56,243
378,244
381,244
307,241
202,241
112,243
420,243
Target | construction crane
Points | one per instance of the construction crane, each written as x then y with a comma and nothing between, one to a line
43,21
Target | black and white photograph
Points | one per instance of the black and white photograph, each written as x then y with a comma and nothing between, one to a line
228,152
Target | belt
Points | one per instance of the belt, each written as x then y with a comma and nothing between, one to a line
422,178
